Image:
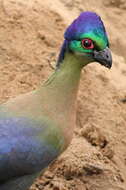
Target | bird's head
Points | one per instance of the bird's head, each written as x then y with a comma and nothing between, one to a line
86,38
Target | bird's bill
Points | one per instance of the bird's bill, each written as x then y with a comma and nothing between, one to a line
104,57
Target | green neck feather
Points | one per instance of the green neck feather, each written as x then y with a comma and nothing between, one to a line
63,83
59,92
67,73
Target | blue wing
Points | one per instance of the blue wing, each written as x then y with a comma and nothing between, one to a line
21,151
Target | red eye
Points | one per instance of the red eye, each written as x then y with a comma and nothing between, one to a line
87,43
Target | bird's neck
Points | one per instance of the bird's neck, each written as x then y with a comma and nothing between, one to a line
62,85
59,92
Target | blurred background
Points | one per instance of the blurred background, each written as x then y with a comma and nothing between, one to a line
31,33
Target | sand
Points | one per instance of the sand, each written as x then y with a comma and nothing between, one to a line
31,33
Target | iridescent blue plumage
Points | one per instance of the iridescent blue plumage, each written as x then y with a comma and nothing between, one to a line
88,24
22,152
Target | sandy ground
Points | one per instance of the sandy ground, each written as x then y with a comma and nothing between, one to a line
31,33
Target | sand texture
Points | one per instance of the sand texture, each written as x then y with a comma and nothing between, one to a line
31,33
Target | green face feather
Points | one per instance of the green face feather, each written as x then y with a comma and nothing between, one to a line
87,26
99,43
87,37
76,46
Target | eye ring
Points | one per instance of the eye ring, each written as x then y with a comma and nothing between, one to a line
87,43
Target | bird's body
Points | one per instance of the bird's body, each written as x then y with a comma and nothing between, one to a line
37,127
31,133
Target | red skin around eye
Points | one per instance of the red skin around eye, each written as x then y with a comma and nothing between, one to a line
91,45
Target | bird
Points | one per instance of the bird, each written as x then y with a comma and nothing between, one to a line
36,127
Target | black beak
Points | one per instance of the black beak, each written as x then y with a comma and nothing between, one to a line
104,57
